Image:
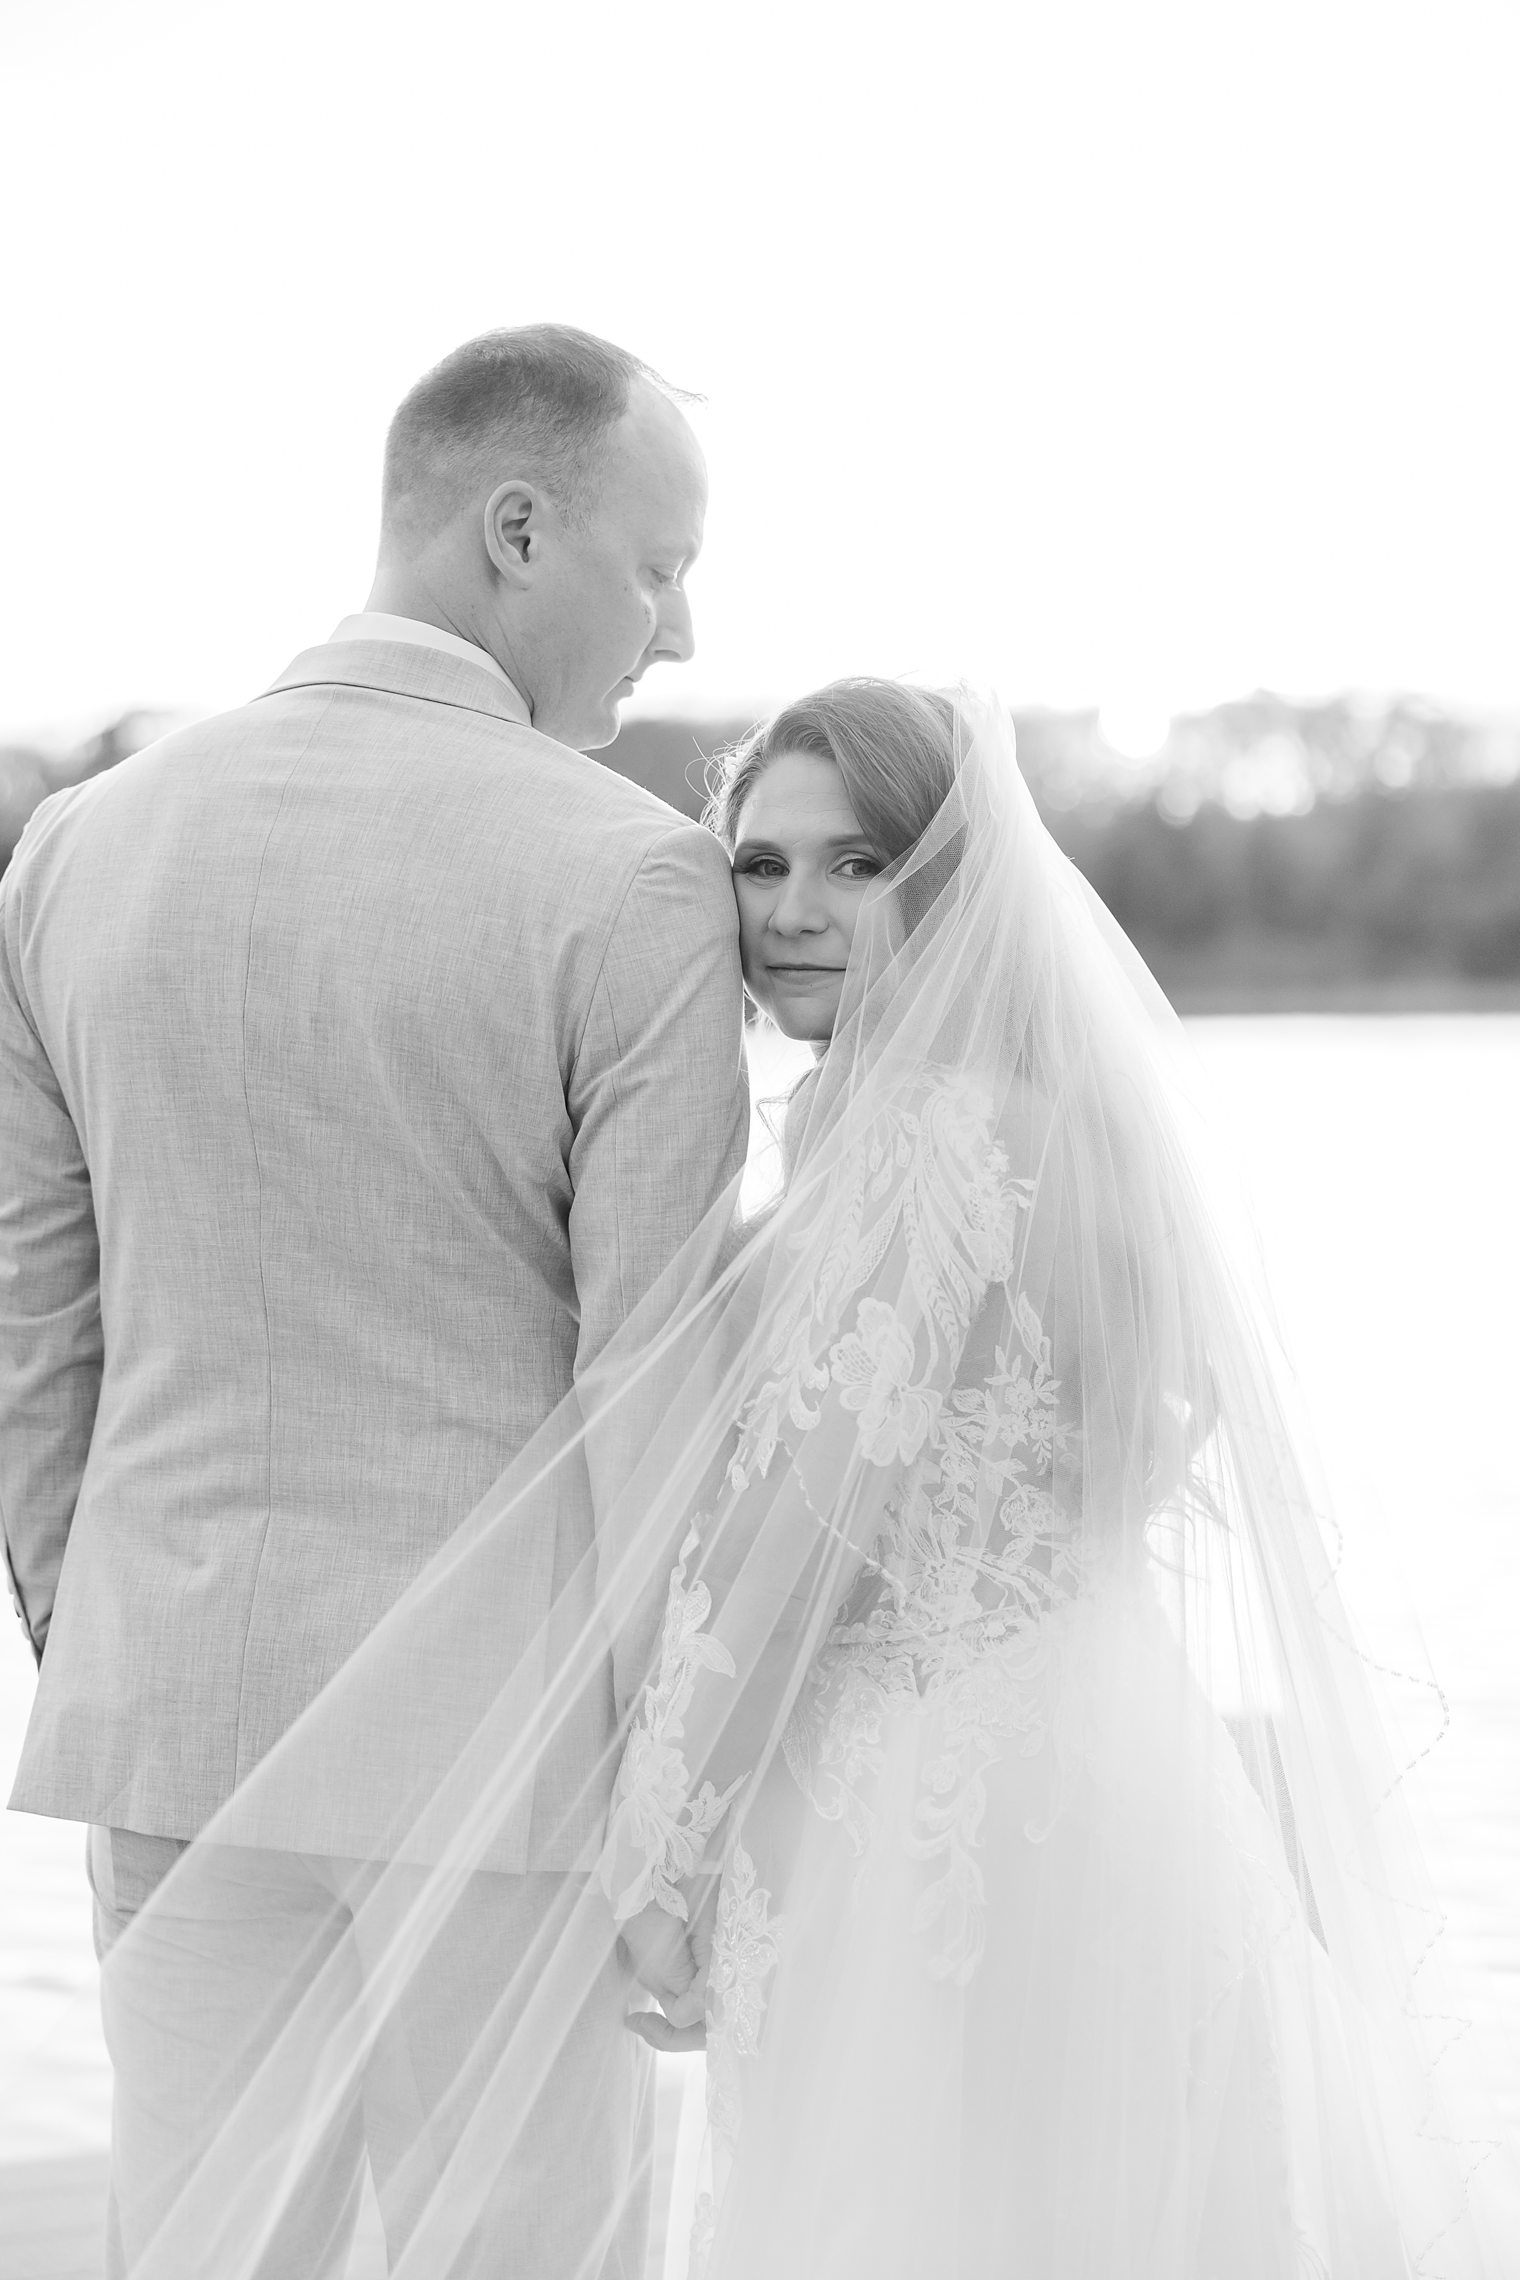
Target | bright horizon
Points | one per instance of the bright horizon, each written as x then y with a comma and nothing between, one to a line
1137,359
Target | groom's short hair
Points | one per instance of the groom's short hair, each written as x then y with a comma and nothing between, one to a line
533,400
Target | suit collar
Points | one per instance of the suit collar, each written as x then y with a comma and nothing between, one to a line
384,625
405,669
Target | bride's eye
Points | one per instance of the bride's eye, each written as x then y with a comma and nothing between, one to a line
860,867
762,867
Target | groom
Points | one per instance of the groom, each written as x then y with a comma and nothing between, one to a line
364,1055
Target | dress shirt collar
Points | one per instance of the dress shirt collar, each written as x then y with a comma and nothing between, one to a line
380,625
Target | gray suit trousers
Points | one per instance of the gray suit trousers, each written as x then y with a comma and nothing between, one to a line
571,2199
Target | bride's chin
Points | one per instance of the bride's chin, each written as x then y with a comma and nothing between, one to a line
801,1035
793,1023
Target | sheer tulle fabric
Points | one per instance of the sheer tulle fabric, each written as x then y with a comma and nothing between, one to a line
962,1641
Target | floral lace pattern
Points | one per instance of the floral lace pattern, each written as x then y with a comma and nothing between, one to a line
873,1365
928,1183
654,1810
746,1949
960,1634
950,1619
746,1946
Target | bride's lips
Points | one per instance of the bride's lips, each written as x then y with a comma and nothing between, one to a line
802,975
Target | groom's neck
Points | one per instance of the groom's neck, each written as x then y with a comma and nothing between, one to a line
400,593
403,589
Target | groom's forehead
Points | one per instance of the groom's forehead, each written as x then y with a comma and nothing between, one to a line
664,521
660,468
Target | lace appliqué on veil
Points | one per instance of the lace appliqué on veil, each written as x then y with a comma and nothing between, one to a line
654,1812
929,1186
746,1948
961,1637
928,1181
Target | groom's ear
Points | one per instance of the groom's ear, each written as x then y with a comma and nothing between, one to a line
514,530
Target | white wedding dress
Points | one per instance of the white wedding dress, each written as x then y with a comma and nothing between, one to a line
1013,1971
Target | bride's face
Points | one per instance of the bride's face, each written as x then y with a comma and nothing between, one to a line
801,866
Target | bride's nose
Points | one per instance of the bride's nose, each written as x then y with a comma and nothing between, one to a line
799,908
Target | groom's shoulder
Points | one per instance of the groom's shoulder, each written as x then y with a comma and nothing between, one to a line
595,784
581,799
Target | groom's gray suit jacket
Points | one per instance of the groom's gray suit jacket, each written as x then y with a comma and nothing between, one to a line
364,1056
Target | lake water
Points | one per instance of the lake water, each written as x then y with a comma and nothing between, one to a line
1381,1155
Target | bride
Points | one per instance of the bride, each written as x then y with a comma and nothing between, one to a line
991,1763
1053,1931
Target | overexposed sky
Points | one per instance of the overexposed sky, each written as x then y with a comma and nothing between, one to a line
1125,353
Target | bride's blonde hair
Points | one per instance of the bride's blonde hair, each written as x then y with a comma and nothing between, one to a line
894,747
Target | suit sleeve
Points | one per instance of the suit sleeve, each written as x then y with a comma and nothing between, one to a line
50,1325
658,1099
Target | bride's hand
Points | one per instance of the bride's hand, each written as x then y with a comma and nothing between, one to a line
671,1960
659,1949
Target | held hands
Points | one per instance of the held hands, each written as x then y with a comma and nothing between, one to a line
671,1961
660,2034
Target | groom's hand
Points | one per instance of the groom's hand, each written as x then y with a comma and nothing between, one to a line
655,2029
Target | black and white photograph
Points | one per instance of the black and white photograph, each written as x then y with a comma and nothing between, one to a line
759,1118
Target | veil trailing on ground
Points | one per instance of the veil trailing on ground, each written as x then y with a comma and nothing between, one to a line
960,1655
